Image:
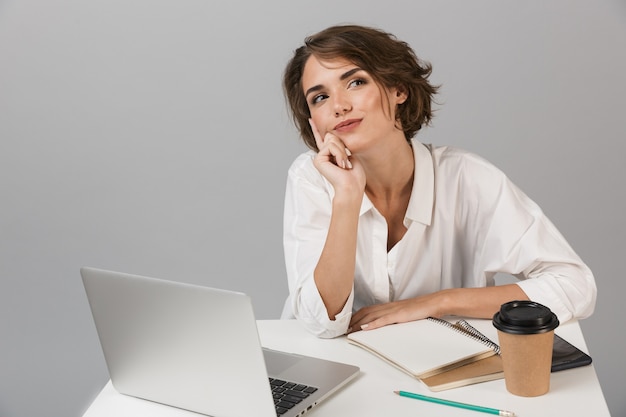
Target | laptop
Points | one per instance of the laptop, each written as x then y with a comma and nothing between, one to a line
197,348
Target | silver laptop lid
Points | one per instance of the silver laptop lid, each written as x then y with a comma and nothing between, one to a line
148,350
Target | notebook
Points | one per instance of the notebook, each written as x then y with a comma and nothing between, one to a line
423,348
445,355
198,349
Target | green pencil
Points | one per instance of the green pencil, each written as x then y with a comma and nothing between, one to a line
456,404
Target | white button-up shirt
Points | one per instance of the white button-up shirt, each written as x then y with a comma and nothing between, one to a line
466,221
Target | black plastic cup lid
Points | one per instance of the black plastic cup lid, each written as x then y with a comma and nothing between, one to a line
525,317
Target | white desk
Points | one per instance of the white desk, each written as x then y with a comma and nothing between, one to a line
574,392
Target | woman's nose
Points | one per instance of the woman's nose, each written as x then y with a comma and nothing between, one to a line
341,105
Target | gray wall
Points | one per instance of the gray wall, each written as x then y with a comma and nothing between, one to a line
151,136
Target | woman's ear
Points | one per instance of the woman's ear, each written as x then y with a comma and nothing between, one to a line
401,94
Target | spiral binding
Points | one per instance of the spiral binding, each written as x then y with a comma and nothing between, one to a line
468,330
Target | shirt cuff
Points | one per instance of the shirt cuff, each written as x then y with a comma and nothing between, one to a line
542,293
311,311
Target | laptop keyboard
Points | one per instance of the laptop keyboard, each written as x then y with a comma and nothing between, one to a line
287,394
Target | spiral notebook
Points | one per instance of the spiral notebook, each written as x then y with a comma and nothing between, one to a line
445,355
439,353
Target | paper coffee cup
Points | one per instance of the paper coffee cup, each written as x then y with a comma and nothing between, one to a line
526,336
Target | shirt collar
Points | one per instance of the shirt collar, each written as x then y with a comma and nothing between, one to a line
420,207
366,205
423,194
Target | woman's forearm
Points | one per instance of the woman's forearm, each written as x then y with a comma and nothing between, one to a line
334,273
468,302
479,302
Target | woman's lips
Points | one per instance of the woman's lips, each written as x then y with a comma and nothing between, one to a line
347,125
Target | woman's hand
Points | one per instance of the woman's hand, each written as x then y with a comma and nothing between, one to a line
336,163
380,315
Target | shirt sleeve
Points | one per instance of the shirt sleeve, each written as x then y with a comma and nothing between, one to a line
517,238
307,211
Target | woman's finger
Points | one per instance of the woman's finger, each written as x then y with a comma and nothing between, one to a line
316,134
341,156
338,151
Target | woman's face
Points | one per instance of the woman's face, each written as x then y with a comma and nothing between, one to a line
345,100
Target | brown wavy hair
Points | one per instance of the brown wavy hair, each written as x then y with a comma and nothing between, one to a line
391,63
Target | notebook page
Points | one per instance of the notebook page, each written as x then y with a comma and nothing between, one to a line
421,348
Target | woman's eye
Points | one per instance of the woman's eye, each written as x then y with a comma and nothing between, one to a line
318,98
357,82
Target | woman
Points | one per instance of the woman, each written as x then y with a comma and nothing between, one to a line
380,228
